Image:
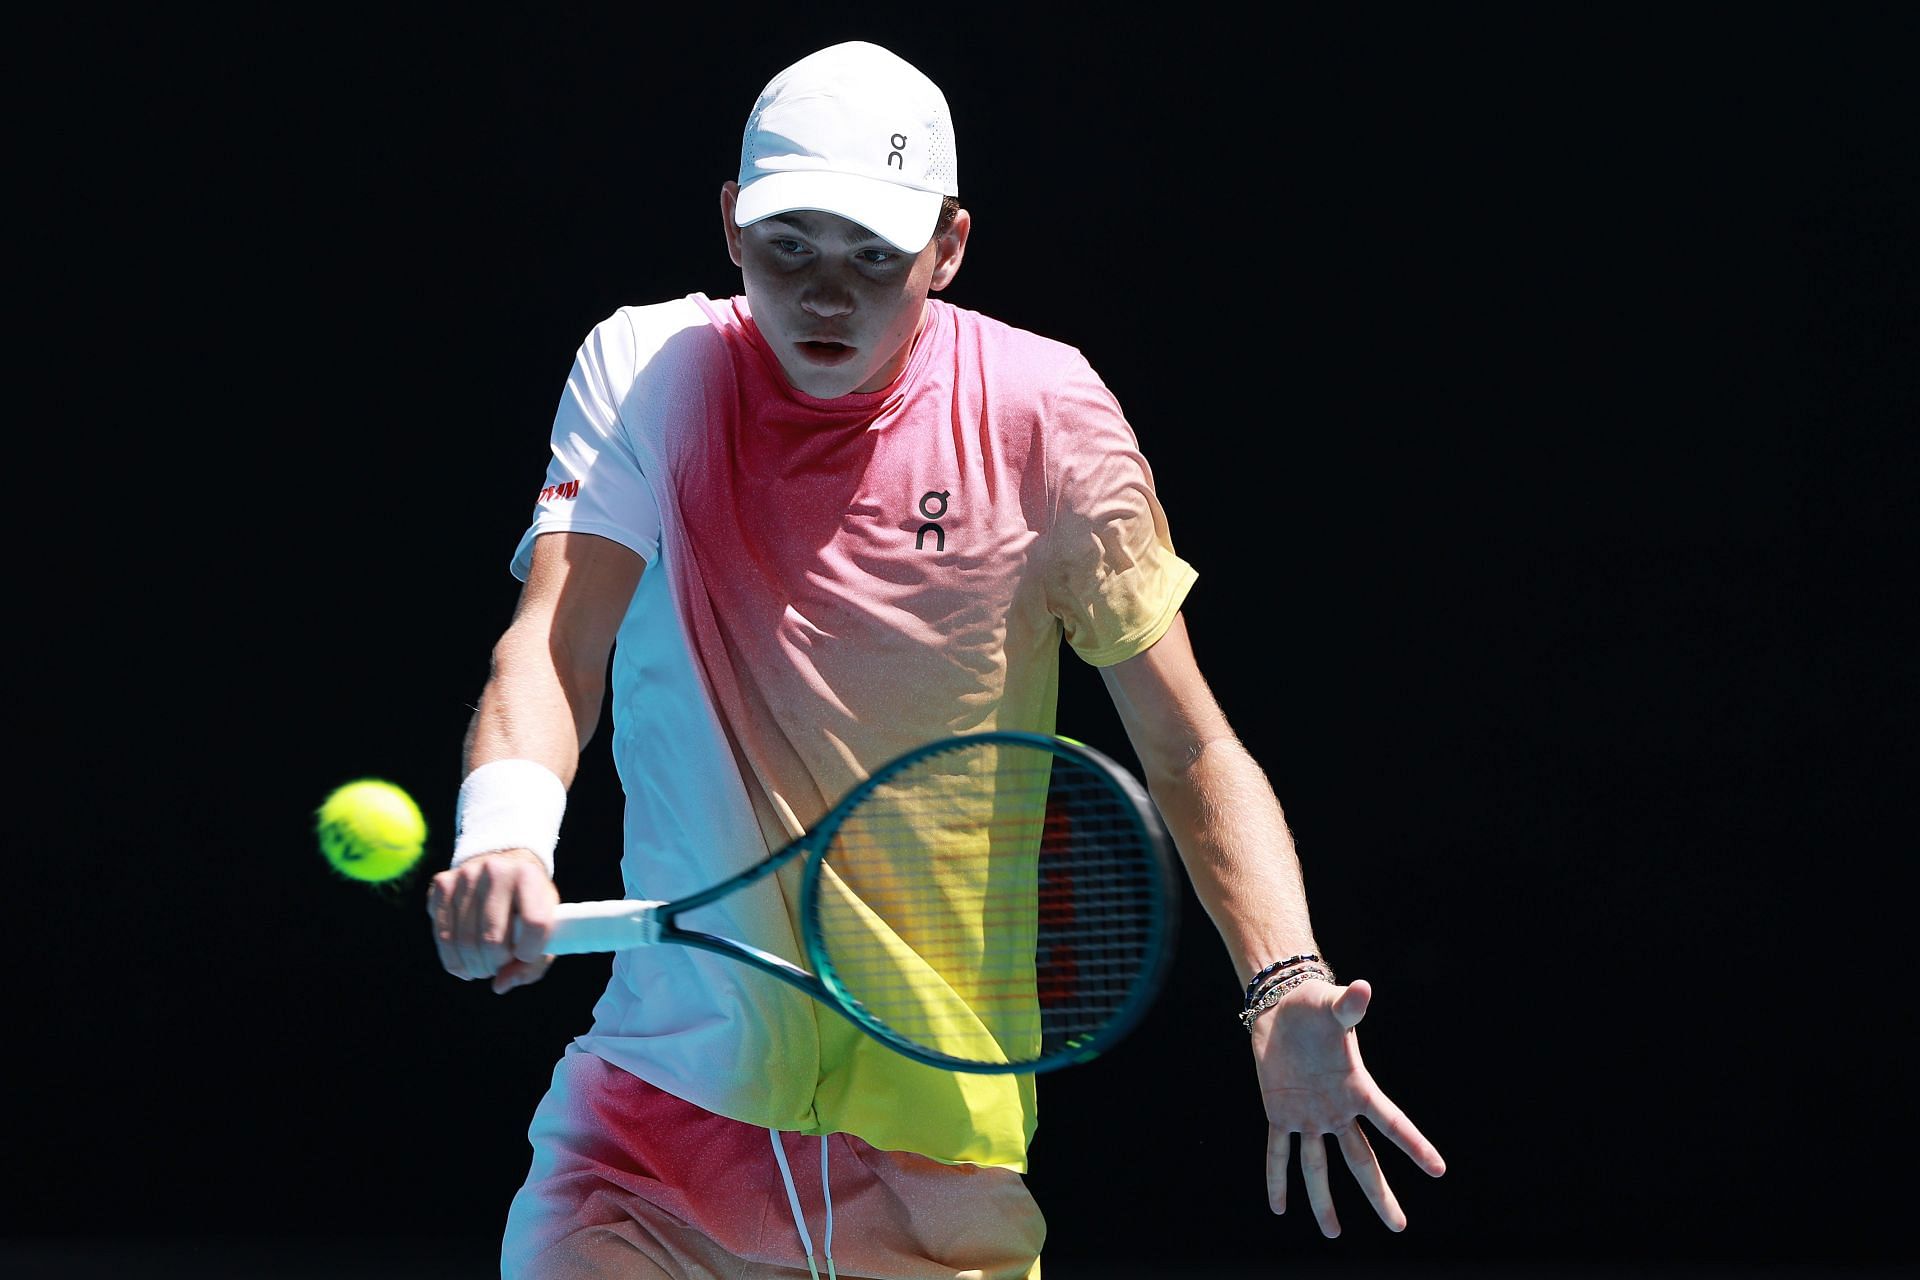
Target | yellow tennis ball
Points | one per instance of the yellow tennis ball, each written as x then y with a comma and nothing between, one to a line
370,829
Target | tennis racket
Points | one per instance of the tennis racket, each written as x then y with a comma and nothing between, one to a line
994,902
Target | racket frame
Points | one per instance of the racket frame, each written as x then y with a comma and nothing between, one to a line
650,923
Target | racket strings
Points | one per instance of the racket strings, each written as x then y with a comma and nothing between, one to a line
1000,908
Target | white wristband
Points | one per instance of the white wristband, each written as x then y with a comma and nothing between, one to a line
509,804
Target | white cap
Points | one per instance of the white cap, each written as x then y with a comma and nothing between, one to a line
853,130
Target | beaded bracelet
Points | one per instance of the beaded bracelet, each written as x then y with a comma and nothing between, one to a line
1271,996
1262,998
1311,966
1277,966
1315,968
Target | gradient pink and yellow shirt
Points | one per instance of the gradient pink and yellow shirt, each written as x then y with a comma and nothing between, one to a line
829,584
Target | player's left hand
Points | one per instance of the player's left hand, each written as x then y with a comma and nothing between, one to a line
1313,1083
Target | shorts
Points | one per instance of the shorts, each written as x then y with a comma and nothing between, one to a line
625,1175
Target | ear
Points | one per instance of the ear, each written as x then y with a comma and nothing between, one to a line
729,194
951,246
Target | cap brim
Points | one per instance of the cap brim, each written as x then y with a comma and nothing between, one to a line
902,216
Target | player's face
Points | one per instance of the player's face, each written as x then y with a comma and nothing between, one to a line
839,306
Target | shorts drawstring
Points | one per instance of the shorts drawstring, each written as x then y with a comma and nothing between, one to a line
793,1202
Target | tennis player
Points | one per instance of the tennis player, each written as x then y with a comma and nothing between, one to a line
810,527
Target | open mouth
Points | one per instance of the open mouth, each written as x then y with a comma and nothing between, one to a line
826,352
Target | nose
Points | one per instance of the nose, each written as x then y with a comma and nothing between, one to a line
826,298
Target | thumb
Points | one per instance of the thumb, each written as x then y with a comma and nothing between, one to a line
518,973
1351,1005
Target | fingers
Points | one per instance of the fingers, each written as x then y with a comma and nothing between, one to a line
1315,1167
1366,1171
1279,1156
1313,1172
477,910
1393,1122
518,973
450,904
481,923
533,927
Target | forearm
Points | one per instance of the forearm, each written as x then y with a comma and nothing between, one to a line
1232,835
536,705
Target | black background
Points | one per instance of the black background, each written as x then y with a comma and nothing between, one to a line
1535,391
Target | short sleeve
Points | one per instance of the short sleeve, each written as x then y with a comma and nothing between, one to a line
1112,576
595,482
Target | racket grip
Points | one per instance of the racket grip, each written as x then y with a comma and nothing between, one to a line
613,925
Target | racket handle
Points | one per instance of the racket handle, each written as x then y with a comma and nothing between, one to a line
614,925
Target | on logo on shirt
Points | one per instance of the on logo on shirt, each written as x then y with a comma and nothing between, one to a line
933,505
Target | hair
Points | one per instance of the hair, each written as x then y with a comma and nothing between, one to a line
949,210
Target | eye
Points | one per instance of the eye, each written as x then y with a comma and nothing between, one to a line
787,245
878,257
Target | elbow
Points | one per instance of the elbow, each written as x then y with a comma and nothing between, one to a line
1183,760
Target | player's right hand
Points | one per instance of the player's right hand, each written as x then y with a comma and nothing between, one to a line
492,918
